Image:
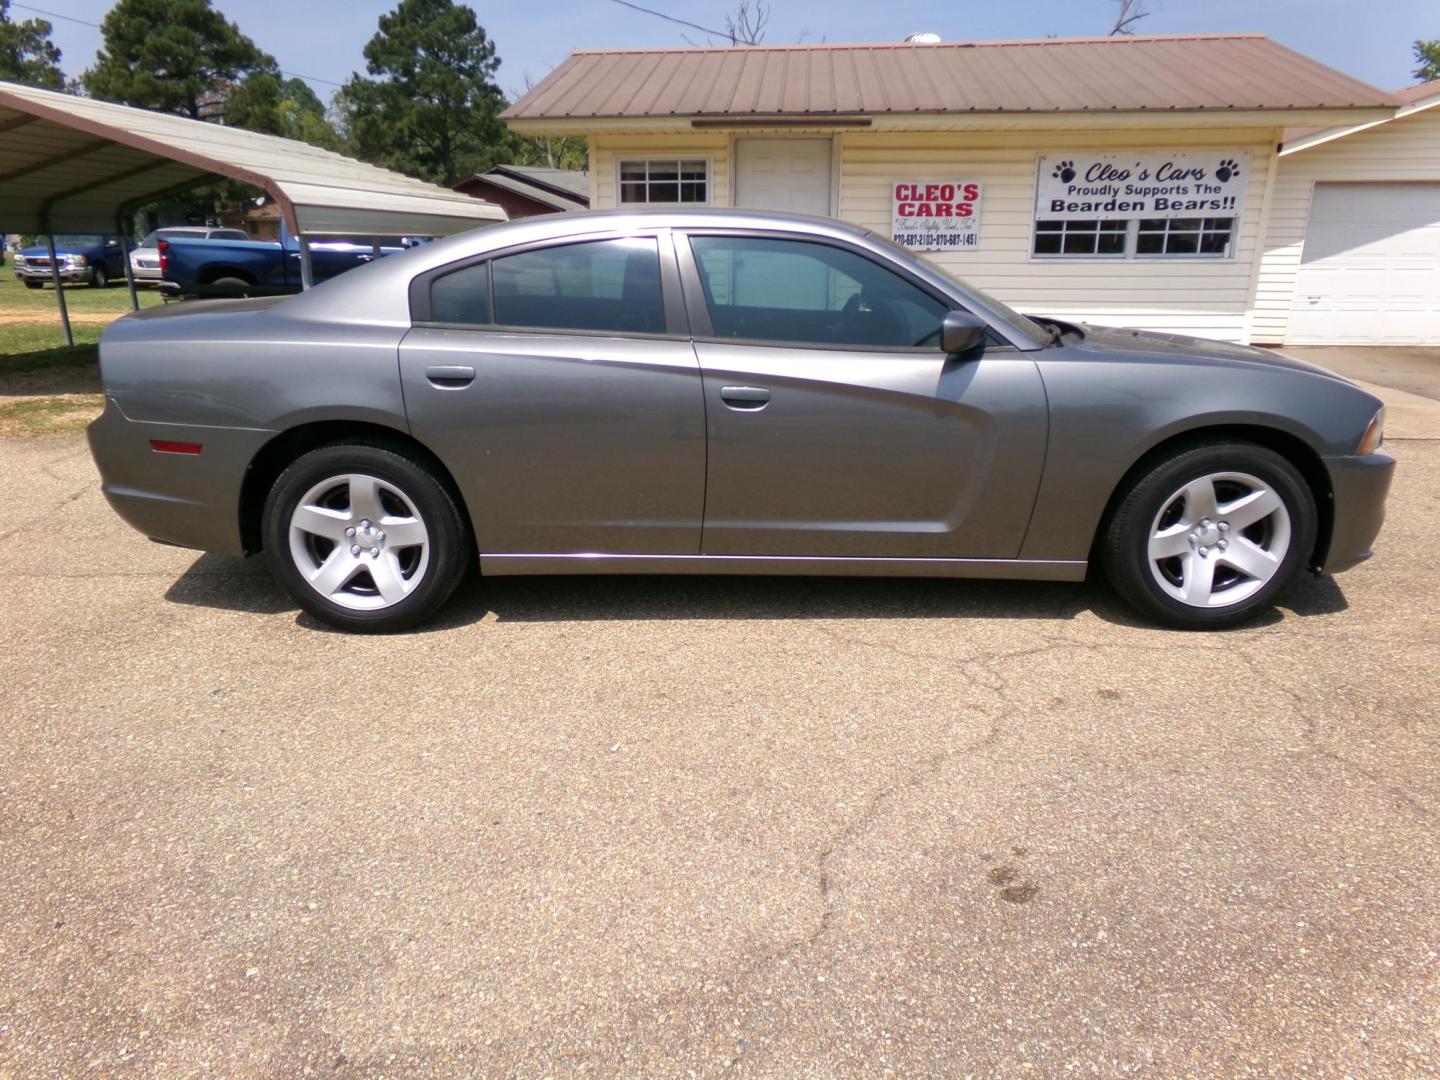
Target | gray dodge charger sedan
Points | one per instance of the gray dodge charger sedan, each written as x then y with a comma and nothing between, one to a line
721,392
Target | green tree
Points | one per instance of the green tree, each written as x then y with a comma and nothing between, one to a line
27,55
268,102
429,106
179,56
1427,55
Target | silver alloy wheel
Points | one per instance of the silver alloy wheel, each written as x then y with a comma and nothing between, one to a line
1219,539
359,541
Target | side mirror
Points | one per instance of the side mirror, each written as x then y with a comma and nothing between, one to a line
961,332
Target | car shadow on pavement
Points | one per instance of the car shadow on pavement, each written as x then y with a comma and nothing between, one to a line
231,585
246,585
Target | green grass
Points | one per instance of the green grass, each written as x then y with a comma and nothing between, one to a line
14,296
45,358
22,344
30,318
45,387
48,415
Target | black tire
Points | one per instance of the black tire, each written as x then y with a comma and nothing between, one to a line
34,284
451,550
231,286
1124,552
98,278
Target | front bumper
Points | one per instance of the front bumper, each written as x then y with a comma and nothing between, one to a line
42,273
189,500
1360,484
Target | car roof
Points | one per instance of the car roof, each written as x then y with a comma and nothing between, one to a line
582,221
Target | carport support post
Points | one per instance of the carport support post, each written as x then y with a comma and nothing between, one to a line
307,275
129,274
59,291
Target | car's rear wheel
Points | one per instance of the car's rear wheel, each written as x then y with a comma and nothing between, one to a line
1207,537
365,538
231,286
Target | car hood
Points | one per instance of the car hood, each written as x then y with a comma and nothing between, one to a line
60,251
1183,347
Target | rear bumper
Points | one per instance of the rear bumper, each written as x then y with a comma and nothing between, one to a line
189,500
1360,485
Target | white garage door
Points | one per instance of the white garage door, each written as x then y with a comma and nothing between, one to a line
1370,271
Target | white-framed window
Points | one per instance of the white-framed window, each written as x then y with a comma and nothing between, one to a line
1185,236
1105,238
664,181
1146,238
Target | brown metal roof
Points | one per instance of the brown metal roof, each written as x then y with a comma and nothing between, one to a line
1419,92
1150,73
1409,97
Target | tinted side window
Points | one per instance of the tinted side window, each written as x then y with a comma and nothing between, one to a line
462,296
608,286
761,289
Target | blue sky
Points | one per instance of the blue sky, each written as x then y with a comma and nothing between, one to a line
323,38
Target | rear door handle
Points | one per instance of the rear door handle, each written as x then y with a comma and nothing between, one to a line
745,398
450,376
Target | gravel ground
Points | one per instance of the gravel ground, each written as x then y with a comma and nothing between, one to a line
755,826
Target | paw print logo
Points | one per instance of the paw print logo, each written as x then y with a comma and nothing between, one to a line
1064,172
1225,170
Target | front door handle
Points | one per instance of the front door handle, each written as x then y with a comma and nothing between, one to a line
745,398
450,376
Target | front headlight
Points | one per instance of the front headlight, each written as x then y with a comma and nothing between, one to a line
1374,434
19,259
75,260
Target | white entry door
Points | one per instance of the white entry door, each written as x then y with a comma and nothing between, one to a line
783,174
1370,270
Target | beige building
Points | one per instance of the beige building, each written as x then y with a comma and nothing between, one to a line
1144,181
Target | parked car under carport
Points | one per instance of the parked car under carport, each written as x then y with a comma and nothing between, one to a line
145,259
90,259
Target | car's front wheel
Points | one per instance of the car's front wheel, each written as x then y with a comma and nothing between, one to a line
365,538
98,278
1207,537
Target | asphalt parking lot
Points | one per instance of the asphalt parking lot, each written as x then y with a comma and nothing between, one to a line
678,826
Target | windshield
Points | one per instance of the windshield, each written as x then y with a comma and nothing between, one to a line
80,240
1027,326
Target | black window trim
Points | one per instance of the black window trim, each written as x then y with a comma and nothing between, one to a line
703,329
676,326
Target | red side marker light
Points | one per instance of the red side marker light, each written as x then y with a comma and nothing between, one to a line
165,446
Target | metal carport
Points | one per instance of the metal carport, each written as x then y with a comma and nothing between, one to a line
72,165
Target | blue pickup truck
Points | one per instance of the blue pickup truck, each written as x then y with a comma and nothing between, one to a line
195,267
88,259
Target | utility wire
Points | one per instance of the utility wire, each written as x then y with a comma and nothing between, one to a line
86,22
667,18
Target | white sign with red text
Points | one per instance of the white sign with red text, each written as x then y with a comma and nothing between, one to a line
1116,187
936,215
